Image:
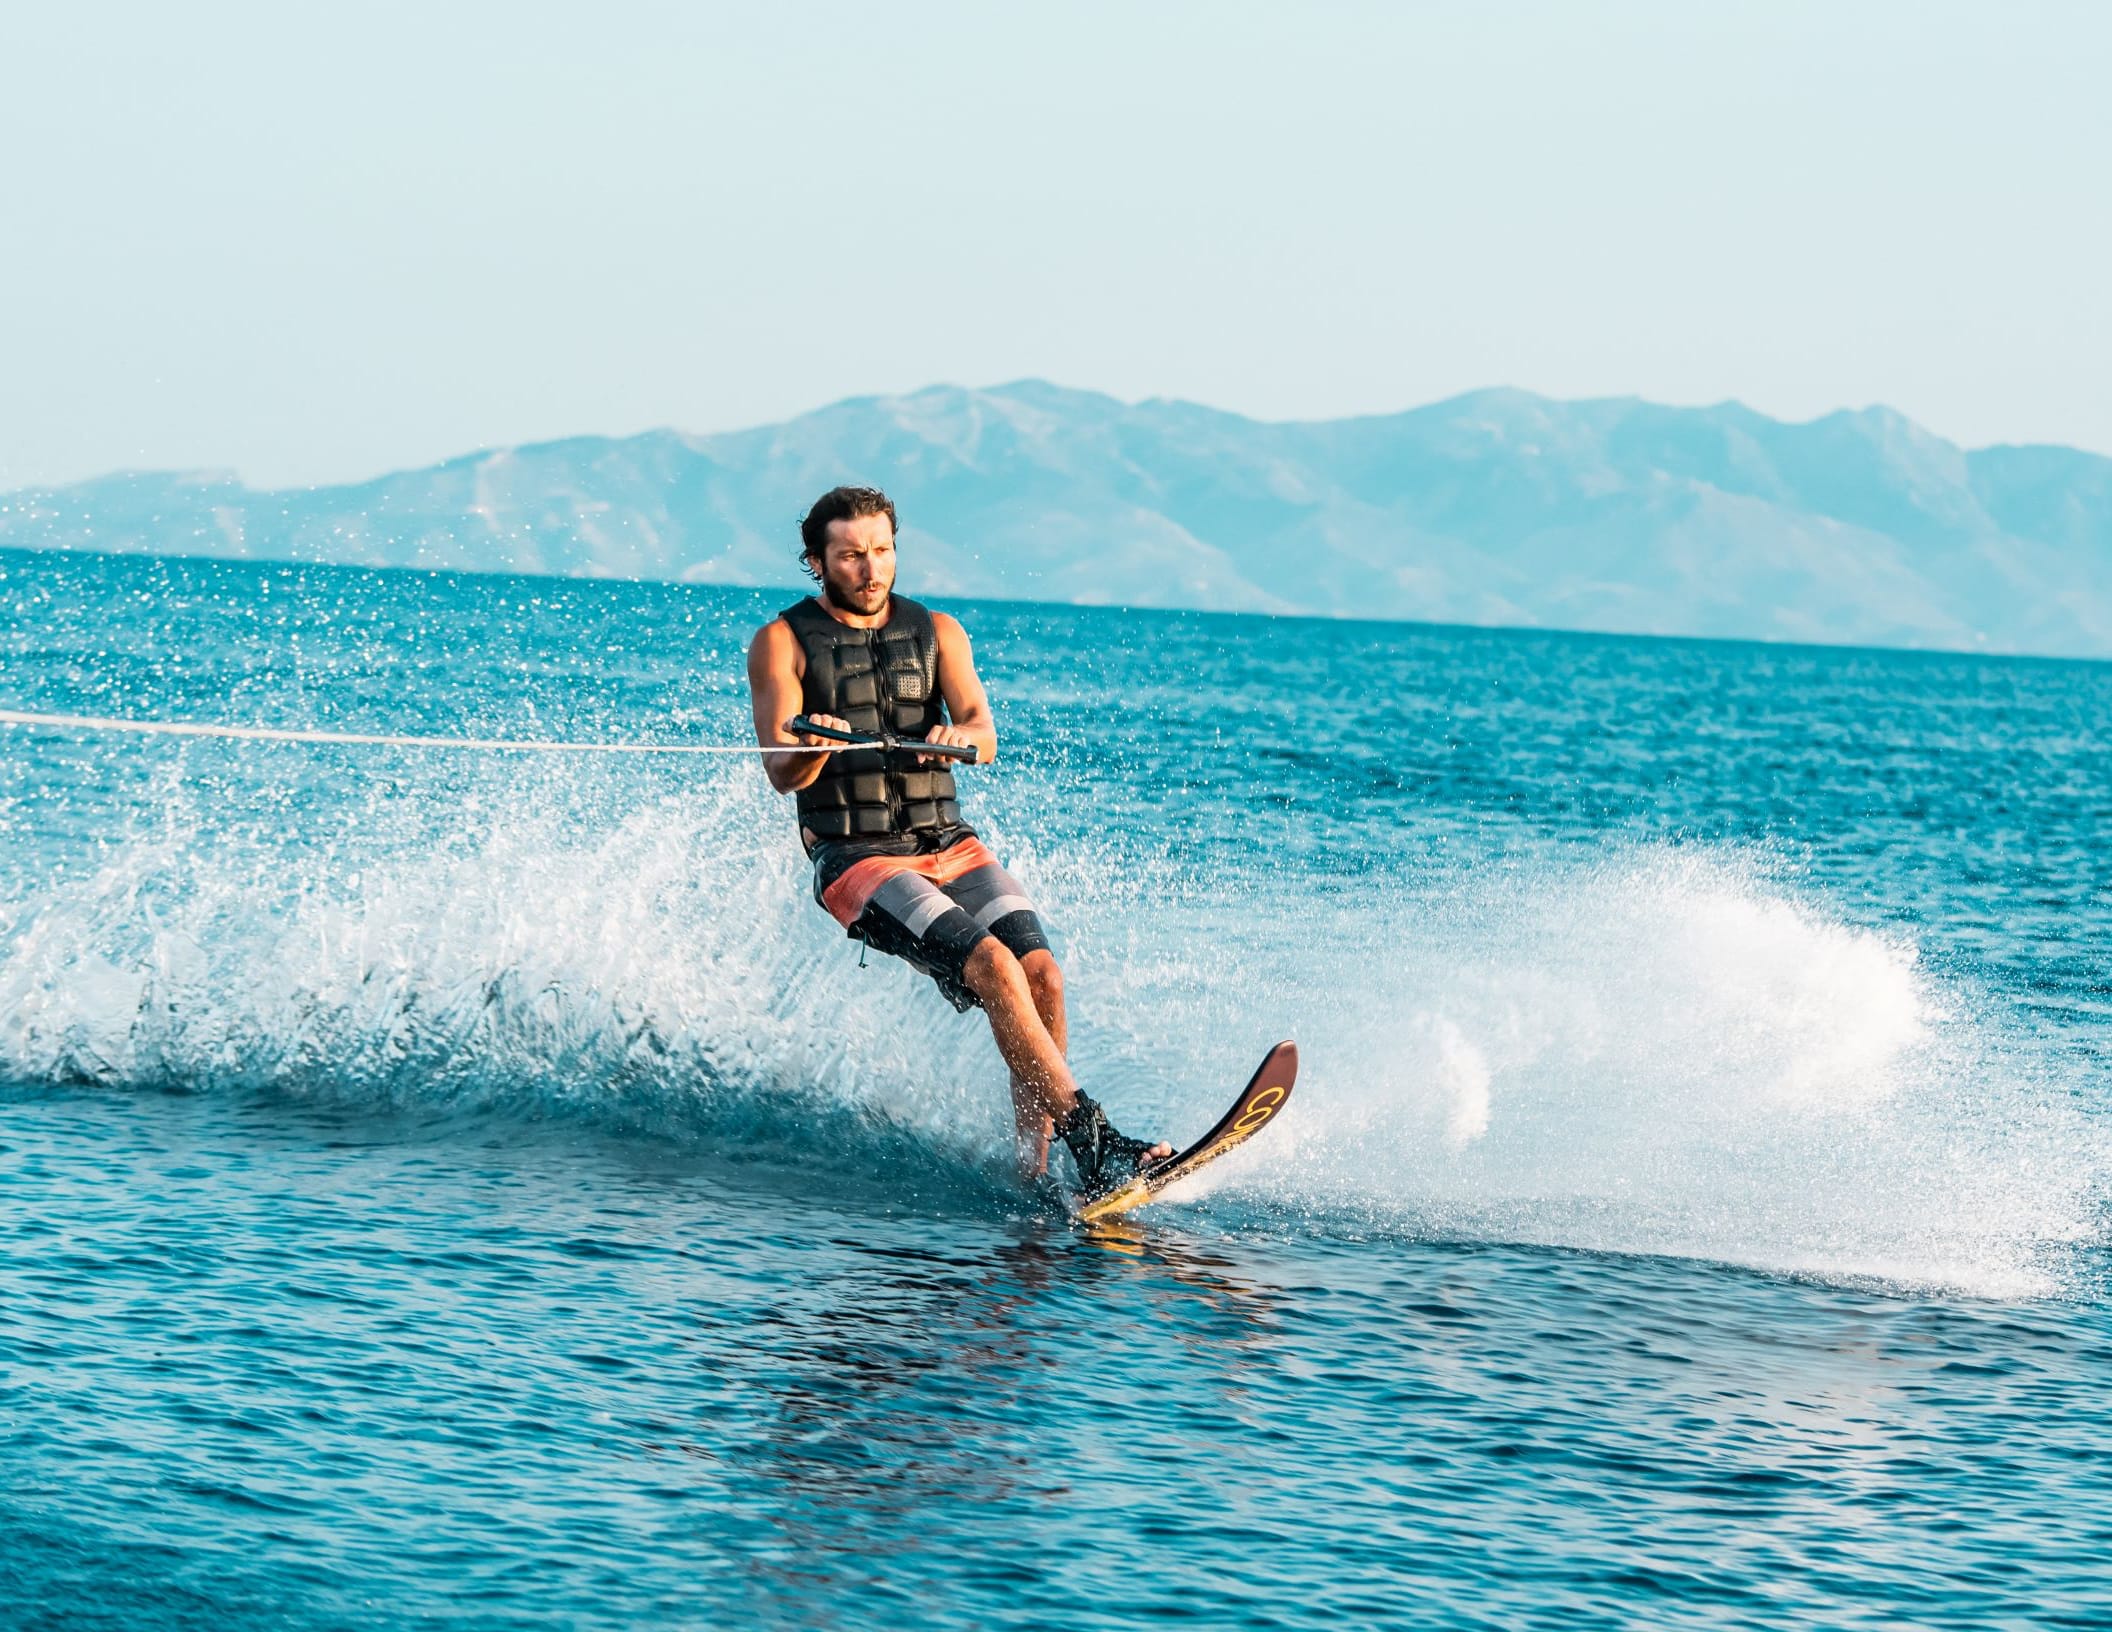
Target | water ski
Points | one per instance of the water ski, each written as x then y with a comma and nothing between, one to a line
1265,1094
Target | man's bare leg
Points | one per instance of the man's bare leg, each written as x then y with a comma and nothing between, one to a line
1031,1124
1042,1084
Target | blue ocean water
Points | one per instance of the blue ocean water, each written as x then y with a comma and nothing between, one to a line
483,1190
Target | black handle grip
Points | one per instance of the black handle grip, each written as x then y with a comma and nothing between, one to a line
938,750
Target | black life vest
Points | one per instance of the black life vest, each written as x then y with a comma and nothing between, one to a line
884,679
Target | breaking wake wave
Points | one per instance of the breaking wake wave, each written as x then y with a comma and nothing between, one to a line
1653,1050
654,974
1674,1052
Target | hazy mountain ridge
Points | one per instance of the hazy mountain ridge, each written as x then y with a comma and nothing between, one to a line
1495,507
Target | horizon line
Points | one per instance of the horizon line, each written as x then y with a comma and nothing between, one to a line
232,474
600,580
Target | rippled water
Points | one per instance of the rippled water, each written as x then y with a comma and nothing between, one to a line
481,1189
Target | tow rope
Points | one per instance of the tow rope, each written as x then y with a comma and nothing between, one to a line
265,733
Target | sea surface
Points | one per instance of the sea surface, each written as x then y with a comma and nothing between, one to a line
474,1189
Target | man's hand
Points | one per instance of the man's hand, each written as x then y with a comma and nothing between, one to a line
950,736
806,739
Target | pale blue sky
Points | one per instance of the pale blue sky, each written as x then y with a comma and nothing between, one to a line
313,244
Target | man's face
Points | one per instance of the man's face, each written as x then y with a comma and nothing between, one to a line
858,563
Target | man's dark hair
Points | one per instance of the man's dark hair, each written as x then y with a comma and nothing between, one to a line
839,504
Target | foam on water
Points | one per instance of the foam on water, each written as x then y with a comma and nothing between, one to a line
652,972
1676,1051
1657,1050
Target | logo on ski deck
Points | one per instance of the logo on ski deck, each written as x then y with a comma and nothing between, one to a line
1259,1109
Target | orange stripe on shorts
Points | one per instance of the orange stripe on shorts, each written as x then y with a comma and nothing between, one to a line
847,897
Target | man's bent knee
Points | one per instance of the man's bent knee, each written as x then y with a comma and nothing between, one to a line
1044,974
991,968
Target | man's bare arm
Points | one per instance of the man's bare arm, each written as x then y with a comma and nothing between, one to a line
775,690
967,704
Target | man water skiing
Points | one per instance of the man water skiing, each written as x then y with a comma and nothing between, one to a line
893,861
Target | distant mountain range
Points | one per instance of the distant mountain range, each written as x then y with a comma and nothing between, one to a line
1498,507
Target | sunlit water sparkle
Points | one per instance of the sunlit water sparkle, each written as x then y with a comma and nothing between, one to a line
464,1188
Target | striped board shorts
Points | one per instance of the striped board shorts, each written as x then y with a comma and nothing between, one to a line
930,909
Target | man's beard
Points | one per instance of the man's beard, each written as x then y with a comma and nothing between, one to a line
842,603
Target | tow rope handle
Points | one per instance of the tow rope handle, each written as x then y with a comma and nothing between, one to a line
885,739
